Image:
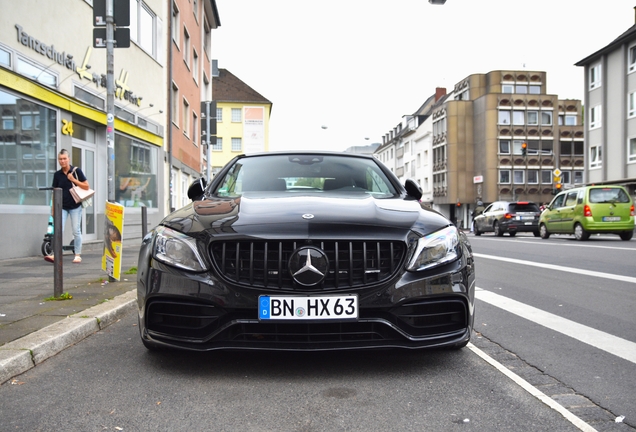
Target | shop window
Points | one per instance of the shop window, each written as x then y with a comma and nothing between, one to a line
28,159
135,172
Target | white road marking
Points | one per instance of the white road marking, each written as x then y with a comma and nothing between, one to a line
569,244
604,341
533,390
560,268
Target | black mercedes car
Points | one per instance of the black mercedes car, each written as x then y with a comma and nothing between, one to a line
305,251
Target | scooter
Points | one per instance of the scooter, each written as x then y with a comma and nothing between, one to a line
47,243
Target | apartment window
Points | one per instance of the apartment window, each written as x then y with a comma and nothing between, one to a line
570,120
195,66
195,122
504,176
186,47
596,156
518,176
533,176
595,117
546,177
546,118
175,104
532,147
237,144
631,150
507,88
219,115
565,177
632,59
595,76
504,117
521,88
206,37
534,89
547,147
176,23
566,148
218,145
533,118
236,115
519,118
145,28
516,146
504,146
186,117
578,177
631,105
579,149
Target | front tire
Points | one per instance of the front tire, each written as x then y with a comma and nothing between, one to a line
477,232
512,233
47,248
543,232
580,233
497,229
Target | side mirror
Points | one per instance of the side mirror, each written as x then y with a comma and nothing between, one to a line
195,191
413,189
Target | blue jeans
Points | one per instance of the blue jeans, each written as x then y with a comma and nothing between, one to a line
76,221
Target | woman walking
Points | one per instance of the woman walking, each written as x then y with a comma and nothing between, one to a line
66,178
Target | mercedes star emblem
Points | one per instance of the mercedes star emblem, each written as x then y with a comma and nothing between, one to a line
309,265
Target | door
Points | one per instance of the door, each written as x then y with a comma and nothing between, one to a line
84,157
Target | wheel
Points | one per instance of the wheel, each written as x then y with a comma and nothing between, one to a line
497,230
543,232
477,232
536,233
580,233
512,233
627,235
47,248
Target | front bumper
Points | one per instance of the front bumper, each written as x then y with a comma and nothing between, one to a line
201,312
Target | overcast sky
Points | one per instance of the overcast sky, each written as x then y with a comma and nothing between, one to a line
358,66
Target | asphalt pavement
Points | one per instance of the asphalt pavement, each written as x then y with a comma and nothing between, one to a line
34,326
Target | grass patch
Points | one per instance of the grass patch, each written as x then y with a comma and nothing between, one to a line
65,296
132,270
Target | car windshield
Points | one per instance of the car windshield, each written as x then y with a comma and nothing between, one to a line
608,195
305,174
525,207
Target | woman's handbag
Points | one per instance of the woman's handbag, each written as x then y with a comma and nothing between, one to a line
81,195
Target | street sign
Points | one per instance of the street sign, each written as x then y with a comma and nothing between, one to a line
557,172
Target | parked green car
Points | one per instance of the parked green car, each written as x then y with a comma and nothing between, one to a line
589,210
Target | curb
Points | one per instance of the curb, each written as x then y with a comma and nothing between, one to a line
25,353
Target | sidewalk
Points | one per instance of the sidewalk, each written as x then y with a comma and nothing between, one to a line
32,329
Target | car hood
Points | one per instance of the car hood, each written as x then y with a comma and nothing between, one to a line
270,215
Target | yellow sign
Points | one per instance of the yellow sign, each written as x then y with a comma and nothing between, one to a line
557,172
113,228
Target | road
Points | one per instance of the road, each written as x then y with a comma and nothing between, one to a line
565,307
110,382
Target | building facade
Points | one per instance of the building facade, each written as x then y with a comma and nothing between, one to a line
496,136
242,119
610,109
190,84
53,97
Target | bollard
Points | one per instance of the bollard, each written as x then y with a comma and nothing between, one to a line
58,270
144,221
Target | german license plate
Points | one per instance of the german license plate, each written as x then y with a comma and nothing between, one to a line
611,218
307,307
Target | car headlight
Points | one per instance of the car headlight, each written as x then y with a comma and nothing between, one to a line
177,249
435,249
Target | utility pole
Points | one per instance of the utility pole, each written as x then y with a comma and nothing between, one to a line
110,98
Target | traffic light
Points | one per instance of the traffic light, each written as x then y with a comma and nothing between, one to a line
524,148
557,188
